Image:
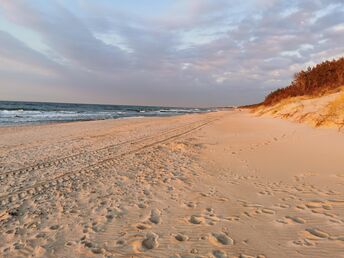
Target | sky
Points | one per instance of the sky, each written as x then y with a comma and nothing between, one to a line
166,52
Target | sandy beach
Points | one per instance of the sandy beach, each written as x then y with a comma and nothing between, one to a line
221,184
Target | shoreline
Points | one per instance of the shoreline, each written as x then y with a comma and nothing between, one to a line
205,185
92,120
22,113
52,123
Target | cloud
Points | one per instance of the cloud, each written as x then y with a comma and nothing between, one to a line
66,35
197,52
15,55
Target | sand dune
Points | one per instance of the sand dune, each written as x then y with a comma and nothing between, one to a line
223,184
321,111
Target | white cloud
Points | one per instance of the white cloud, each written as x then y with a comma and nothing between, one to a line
199,52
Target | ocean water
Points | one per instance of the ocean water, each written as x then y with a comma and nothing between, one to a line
21,113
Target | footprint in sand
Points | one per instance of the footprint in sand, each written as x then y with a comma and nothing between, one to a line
303,242
282,205
314,205
336,221
268,211
150,241
155,216
210,210
246,256
339,238
142,226
296,219
181,237
282,221
301,207
251,205
221,238
54,227
232,218
317,233
327,207
219,254
141,205
265,192
191,205
121,242
196,219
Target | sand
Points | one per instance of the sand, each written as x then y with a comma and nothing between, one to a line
318,111
223,184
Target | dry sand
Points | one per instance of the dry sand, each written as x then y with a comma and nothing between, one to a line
319,111
224,184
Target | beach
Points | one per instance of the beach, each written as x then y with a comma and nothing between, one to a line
218,184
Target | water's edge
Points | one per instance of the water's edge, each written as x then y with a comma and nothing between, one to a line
13,113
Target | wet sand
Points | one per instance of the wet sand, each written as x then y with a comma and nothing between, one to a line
223,184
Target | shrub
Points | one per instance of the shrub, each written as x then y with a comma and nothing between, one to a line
314,81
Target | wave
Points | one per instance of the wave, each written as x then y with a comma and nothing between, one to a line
13,113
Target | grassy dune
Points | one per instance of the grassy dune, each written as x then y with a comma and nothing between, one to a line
321,111
315,97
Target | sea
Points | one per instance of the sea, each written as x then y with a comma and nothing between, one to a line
14,113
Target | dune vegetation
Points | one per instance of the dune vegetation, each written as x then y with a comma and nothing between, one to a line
315,96
314,81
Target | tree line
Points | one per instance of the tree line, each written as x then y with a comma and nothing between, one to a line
313,81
